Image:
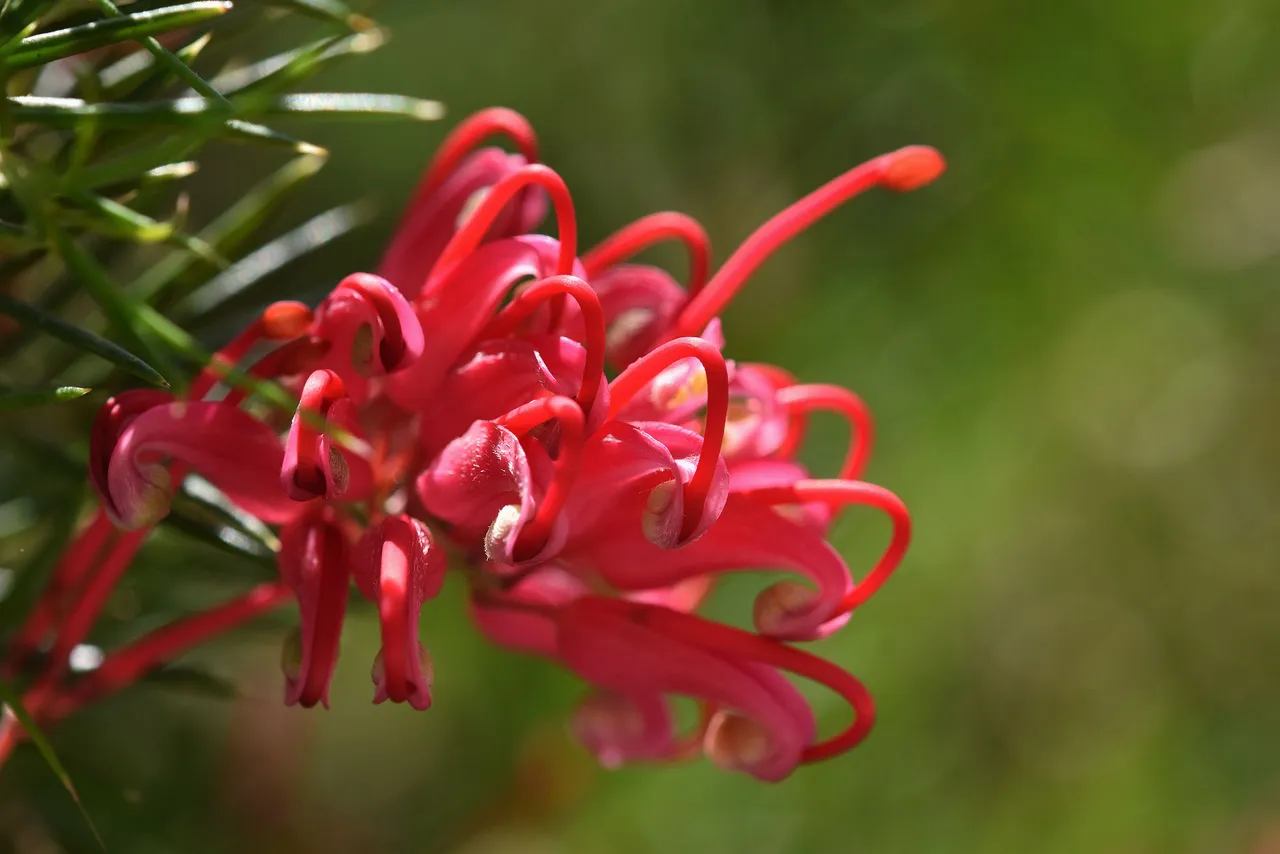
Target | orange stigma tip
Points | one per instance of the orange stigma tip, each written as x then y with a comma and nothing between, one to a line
284,321
912,167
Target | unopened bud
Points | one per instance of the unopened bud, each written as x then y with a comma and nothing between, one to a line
777,603
605,724
736,743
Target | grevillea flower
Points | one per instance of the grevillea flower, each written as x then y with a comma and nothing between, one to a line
461,393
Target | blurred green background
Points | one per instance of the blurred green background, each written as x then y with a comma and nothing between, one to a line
1069,345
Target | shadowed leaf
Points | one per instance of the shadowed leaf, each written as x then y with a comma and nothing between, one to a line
14,706
81,339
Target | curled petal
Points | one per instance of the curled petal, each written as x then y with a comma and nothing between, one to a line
614,646
313,466
314,561
477,475
748,535
618,729
500,375
400,568
555,291
478,222
112,419
459,308
751,474
838,493
239,455
714,385
521,618
560,421
632,485
370,329
441,205
640,303
484,484
758,424
645,232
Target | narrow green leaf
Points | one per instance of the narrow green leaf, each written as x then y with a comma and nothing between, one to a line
116,220
81,339
327,10
130,74
170,172
43,48
228,232
11,400
267,259
121,311
15,707
181,342
15,240
17,15
202,113
200,502
68,112
278,73
180,69
358,105
243,131
126,167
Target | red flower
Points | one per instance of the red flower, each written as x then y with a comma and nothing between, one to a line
592,517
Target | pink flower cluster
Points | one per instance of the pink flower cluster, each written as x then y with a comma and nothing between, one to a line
459,400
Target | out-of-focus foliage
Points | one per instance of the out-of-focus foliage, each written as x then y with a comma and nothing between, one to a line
1068,343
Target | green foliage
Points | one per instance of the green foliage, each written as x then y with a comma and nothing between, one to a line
96,137
102,126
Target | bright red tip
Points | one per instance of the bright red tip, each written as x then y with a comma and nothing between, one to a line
912,167
286,320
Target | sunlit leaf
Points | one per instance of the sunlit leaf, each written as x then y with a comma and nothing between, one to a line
116,220
277,73
11,400
202,113
358,105
46,47
140,69
179,68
